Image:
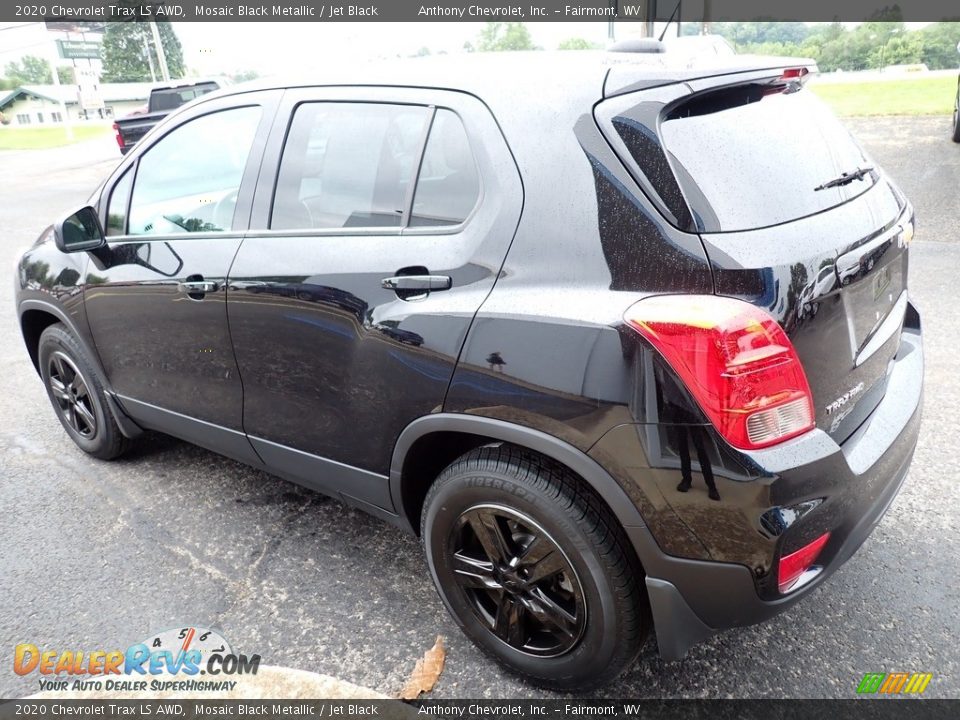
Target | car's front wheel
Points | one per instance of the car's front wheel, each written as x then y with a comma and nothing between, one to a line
534,568
956,116
76,393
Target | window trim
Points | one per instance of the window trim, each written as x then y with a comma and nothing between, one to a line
126,209
404,228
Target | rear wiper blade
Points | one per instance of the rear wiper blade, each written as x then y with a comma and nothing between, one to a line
846,178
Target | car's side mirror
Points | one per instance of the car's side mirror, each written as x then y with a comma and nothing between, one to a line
80,231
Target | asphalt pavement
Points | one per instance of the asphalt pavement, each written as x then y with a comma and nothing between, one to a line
99,555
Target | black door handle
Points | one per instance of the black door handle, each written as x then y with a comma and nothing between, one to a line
424,283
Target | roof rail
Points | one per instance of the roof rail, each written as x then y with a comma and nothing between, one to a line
638,45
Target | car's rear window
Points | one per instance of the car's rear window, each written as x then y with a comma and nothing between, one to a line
746,157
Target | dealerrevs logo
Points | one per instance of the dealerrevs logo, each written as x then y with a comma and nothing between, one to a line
182,653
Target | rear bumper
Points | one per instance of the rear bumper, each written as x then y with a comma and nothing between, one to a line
851,487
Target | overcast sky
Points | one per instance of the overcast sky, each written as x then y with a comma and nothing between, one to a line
224,47
212,48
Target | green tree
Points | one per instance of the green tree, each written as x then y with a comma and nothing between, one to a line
498,36
578,44
66,74
245,76
29,70
940,45
125,52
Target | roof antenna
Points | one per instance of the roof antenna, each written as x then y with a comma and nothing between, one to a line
674,14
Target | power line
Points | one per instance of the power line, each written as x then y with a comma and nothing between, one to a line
21,25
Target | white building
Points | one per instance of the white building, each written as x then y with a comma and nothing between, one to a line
36,105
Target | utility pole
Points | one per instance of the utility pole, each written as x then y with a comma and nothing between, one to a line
148,54
67,121
161,56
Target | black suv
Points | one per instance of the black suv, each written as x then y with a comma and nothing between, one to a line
626,341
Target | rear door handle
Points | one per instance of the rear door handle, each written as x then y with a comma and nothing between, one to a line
196,287
417,282
199,286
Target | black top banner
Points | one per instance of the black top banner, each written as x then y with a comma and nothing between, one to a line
101,11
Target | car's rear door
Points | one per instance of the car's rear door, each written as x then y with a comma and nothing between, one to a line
380,223
156,295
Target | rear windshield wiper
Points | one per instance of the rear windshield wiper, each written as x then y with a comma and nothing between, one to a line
846,178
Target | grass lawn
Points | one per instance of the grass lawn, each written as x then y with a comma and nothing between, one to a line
47,137
914,96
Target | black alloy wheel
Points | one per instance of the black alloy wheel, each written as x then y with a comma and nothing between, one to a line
71,394
956,115
535,568
76,392
518,580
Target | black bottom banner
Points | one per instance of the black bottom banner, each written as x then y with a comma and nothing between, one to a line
885,709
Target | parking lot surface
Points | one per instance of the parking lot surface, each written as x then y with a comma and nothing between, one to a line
99,555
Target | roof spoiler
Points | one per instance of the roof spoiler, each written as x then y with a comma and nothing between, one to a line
638,45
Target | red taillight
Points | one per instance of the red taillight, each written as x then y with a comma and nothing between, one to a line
736,361
791,73
795,564
116,129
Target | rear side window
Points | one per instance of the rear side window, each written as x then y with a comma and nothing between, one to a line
449,185
348,165
748,158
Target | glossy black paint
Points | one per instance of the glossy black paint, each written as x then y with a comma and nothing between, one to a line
300,361
351,362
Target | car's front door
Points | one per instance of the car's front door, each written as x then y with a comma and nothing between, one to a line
155,296
385,227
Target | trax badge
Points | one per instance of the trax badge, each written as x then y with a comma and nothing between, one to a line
844,399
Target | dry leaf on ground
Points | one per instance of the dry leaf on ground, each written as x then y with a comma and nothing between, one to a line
425,673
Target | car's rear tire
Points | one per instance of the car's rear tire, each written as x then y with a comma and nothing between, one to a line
535,568
956,116
76,392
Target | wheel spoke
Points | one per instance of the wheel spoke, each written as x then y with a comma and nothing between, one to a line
541,559
64,370
487,529
80,386
473,573
509,624
59,389
84,414
58,367
548,611
71,415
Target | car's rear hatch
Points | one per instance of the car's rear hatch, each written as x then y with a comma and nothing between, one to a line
753,161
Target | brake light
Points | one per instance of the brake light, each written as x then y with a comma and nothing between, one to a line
795,564
116,129
737,362
794,73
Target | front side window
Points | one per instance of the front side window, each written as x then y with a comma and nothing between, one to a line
189,180
348,165
448,186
